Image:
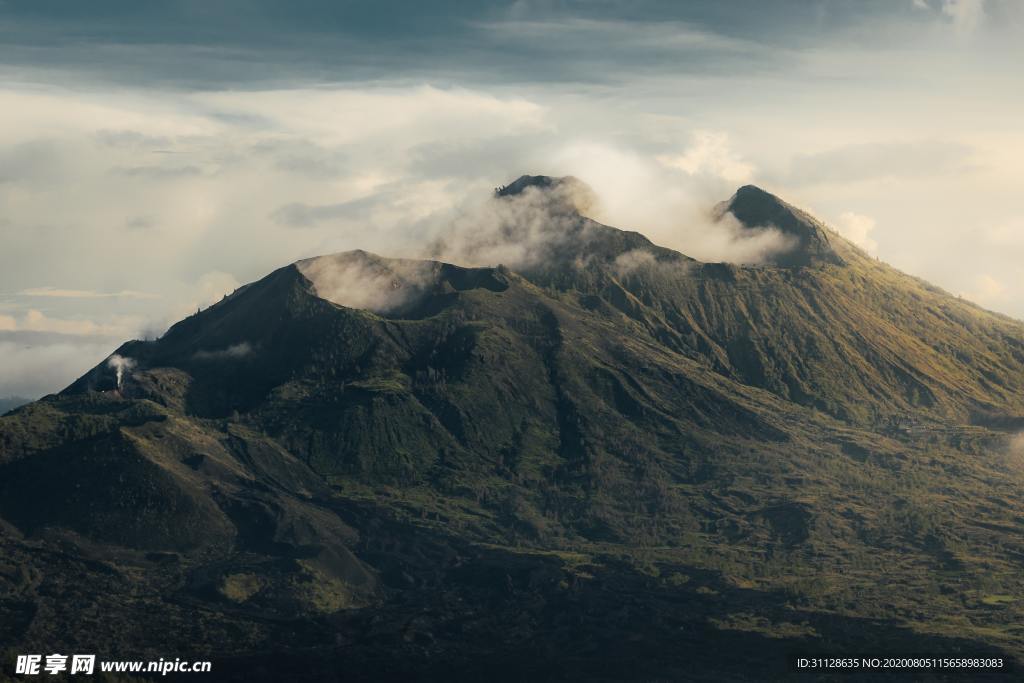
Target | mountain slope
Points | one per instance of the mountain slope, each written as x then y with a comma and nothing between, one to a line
380,451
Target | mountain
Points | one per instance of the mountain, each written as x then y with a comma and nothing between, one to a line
605,461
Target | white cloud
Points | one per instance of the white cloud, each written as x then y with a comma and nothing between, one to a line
58,293
986,290
359,280
34,320
341,116
966,15
711,154
670,204
858,229
1009,233
875,162
233,352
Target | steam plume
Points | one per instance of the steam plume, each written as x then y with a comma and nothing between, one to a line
121,365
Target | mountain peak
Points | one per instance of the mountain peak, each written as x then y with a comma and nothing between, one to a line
755,191
756,208
565,194
541,182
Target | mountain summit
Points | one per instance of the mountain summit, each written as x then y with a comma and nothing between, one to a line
561,194
541,182
604,460
755,208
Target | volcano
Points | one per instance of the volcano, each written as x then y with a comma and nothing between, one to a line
609,461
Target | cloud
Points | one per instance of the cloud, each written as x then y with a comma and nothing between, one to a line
35,160
630,261
1009,233
711,153
233,352
986,290
312,43
620,188
873,161
348,116
158,172
300,215
569,46
56,292
519,230
858,229
670,205
135,140
306,158
357,279
966,15
733,242
36,321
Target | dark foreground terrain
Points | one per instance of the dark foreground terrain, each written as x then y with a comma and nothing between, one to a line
606,462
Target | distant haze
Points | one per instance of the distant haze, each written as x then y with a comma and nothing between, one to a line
153,160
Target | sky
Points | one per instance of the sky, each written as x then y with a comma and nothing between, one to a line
156,155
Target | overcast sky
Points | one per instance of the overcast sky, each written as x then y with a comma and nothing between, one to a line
155,155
